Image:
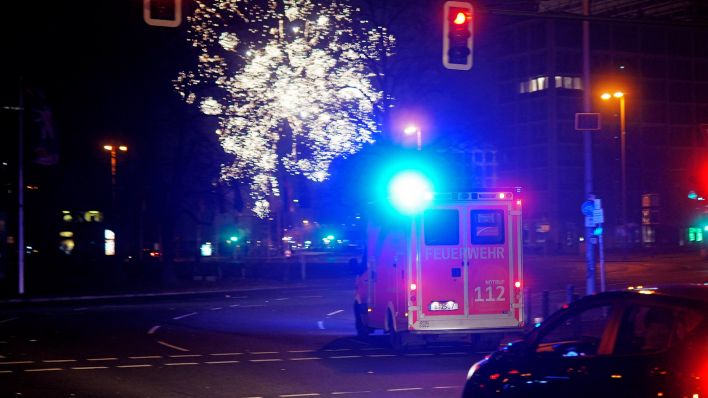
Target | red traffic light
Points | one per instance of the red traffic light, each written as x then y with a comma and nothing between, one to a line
460,18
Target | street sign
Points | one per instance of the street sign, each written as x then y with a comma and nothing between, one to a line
587,207
598,216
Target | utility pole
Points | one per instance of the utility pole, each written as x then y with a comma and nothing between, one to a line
21,196
587,141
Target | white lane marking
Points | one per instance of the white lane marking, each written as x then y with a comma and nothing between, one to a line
5,371
89,367
43,370
102,359
349,392
304,359
181,363
172,346
58,360
299,351
216,308
234,305
282,298
320,324
9,319
147,357
380,355
183,316
239,297
252,306
16,362
219,362
335,312
185,355
338,349
267,360
218,354
447,387
310,394
144,365
263,352
345,356
404,389
153,329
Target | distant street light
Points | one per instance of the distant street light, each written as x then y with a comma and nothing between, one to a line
623,145
113,149
413,129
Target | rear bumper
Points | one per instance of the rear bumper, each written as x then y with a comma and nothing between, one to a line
505,330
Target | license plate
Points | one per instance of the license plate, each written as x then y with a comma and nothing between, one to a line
443,306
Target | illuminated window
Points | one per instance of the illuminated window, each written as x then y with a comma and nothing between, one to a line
109,242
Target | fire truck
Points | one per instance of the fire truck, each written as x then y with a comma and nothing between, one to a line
452,270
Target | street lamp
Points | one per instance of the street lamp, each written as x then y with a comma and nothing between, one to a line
623,147
413,129
113,149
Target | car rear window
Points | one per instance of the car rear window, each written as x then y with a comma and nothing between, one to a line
487,226
441,227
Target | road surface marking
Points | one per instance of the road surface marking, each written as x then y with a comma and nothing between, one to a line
304,359
447,387
183,316
349,392
299,351
153,329
5,371
218,354
252,306
239,297
267,360
16,362
335,312
89,367
423,354
172,346
320,324
220,362
185,355
311,394
282,298
9,319
147,357
404,389
345,356
311,296
453,353
43,370
263,352
338,349
216,308
234,305
180,363
381,355
102,359
145,365
58,360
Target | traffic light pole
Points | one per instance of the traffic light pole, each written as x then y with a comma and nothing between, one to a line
587,144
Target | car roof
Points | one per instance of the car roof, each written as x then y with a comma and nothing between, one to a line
697,292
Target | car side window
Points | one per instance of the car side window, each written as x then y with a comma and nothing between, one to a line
577,334
649,328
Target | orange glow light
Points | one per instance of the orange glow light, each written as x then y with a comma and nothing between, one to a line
123,148
618,94
108,147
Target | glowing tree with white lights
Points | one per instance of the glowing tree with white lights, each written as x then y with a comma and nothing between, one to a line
291,83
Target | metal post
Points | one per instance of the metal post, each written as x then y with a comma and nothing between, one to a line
21,197
623,146
587,144
420,140
602,260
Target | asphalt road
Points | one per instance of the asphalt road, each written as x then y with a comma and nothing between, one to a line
287,342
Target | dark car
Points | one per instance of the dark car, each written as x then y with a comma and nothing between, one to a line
634,343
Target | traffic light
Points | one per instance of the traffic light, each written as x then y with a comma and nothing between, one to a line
457,35
166,13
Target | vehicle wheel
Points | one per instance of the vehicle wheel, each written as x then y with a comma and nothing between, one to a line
362,329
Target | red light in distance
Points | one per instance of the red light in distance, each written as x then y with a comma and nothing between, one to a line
460,18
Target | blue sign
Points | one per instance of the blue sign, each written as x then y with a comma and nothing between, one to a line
587,207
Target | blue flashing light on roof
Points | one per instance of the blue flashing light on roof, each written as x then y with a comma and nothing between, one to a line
409,192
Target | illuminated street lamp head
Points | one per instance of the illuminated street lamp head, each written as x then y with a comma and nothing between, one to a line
410,129
108,147
123,148
409,192
618,94
606,96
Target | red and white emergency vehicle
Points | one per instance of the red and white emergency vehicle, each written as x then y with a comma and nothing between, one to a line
455,267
